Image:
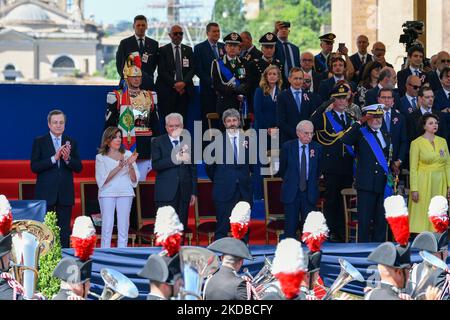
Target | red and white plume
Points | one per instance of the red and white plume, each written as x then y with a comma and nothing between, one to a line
239,219
289,266
168,230
136,59
315,230
437,213
5,216
83,237
397,217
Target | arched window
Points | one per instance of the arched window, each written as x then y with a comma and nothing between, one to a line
64,62
10,72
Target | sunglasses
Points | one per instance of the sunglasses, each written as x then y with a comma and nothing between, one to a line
178,33
414,87
445,61
307,80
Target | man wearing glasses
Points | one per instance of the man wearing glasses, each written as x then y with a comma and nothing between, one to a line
307,65
415,58
176,69
442,61
409,102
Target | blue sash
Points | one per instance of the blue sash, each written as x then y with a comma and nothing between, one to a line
378,153
228,75
338,128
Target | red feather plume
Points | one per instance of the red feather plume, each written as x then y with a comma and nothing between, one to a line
171,244
5,224
84,248
238,230
400,229
290,282
314,243
439,224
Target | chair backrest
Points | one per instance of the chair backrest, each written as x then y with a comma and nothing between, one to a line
204,206
272,198
27,190
145,201
89,198
347,195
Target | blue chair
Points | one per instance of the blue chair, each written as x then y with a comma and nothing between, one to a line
29,209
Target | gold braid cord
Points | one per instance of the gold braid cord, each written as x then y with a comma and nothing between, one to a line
328,138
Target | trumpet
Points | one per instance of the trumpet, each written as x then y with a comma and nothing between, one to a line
348,273
117,286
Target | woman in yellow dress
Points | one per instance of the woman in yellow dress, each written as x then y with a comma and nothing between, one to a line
429,173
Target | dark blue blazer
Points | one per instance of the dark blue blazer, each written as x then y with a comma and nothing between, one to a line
203,57
441,101
402,76
372,98
406,108
287,113
290,171
399,137
227,176
320,63
279,53
327,85
434,81
54,184
265,110
357,64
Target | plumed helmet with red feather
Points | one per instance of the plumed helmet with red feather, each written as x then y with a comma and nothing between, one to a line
315,230
397,217
83,237
168,230
5,216
239,219
437,213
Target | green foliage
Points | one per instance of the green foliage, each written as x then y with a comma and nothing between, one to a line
110,70
229,15
47,284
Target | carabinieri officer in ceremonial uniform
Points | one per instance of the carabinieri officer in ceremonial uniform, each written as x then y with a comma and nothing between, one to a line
268,42
231,79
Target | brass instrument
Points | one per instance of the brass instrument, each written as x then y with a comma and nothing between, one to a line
348,273
196,265
264,280
117,286
30,240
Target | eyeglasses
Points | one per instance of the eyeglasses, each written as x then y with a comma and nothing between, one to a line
386,98
307,80
445,61
307,60
414,87
178,33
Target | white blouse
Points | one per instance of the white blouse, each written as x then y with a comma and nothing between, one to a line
120,185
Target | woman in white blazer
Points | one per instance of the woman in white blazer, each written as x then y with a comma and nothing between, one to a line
116,174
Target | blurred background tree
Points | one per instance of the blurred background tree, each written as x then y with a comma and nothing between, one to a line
229,14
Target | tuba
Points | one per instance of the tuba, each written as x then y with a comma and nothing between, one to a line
196,265
348,273
30,240
264,279
117,286
431,263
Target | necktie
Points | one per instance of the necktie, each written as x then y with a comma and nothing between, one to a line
298,101
388,121
178,72
416,72
287,54
343,120
57,145
363,60
449,96
303,169
414,102
380,139
175,143
235,150
216,53
141,46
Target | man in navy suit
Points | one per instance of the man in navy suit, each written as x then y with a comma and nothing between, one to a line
409,101
176,179
442,96
386,79
228,167
361,57
415,57
372,146
307,65
285,51
394,123
148,50
54,159
175,72
321,60
300,171
293,106
338,69
378,53
442,61
204,54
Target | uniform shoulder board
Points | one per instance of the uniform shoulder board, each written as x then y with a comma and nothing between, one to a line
111,98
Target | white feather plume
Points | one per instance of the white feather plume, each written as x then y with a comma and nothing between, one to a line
241,213
438,206
395,206
83,227
289,257
167,222
5,207
316,224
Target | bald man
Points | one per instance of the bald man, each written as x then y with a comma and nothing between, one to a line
307,65
176,69
378,53
442,61
362,56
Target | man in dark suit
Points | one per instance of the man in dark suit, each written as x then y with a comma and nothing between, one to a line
248,51
337,160
426,98
307,65
386,79
361,57
338,69
378,53
176,179
409,103
415,58
293,106
300,171
307,86
372,146
442,61
394,123
321,60
228,167
148,51
204,54
285,51
176,69
54,159
442,96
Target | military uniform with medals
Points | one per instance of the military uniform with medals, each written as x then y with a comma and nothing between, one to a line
232,83
320,61
269,39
